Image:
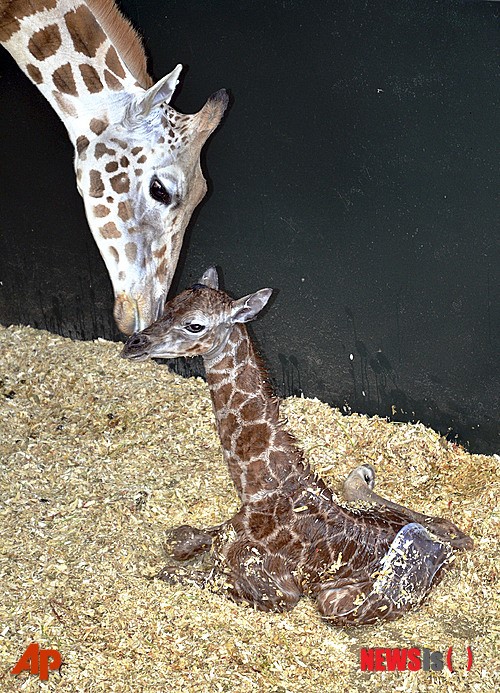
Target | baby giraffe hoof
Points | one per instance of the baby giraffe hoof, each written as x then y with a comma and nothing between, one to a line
185,542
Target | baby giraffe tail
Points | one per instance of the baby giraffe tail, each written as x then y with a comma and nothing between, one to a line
399,582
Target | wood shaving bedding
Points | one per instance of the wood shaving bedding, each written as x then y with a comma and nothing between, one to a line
100,456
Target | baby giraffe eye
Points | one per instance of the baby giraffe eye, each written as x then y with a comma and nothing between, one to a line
159,192
194,327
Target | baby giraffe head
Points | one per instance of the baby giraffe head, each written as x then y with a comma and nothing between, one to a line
197,322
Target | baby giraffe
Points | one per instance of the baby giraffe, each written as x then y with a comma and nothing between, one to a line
292,536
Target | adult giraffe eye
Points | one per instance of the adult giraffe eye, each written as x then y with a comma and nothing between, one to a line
159,192
194,327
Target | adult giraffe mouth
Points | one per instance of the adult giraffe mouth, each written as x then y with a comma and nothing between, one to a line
135,314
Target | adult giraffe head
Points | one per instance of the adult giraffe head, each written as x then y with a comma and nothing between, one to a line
141,179
137,160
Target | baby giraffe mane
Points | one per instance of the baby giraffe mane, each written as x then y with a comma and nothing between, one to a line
124,37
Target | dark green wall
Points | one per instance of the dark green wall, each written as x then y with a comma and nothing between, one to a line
355,172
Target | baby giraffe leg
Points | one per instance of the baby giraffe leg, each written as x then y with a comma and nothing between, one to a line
264,581
399,582
359,486
187,547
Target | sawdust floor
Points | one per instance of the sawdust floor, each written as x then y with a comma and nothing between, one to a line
99,456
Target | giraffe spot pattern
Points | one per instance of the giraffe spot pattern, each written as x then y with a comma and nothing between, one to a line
114,63
161,270
97,125
124,162
34,73
111,166
125,211
109,230
101,150
138,171
120,183
65,106
13,12
64,80
96,184
120,143
81,144
101,211
45,42
161,252
91,78
136,150
253,440
116,255
131,251
113,83
84,30
121,275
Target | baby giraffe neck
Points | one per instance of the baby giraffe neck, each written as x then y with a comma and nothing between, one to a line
260,455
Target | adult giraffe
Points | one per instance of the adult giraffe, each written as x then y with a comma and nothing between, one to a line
137,160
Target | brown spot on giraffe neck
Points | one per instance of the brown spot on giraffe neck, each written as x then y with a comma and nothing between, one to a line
114,63
136,150
125,210
64,80
81,144
96,184
111,166
124,162
84,30
91,78
160,252
120,183
34,73
115,254
101,150
98,125
113,83
11,13
63,103
253,440
110,230
101,211
45,42
120,143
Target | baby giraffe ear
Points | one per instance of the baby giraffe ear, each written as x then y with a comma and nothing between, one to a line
210,278
246,308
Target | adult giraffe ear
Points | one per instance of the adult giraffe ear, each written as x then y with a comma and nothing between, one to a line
248,307
159,93
210,278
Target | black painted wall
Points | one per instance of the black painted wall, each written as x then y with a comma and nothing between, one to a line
354,172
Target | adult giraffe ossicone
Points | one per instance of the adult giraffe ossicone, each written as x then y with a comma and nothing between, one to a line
292,536
137,160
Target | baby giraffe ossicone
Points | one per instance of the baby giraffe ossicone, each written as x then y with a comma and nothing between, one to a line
292,536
